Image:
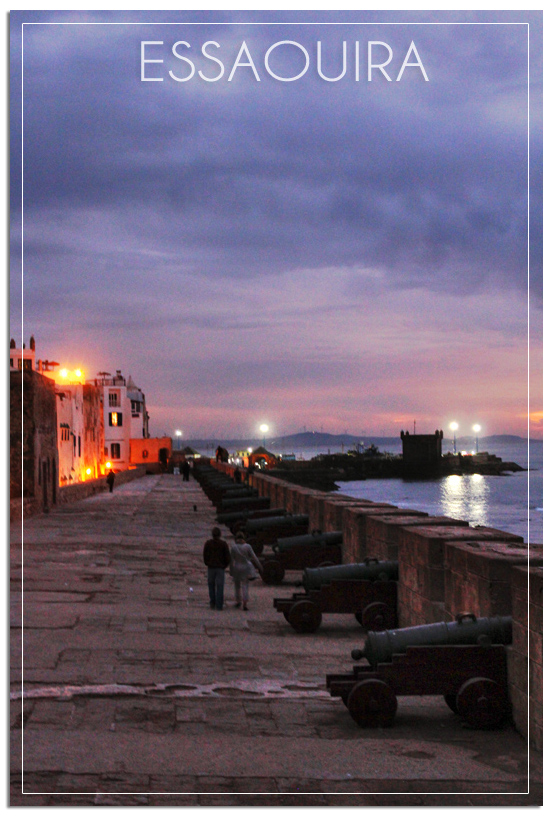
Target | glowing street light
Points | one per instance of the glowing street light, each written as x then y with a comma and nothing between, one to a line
264,428
178,434
72,377
454,426
476,429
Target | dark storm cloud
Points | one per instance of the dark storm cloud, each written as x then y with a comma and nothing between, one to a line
426,180
321,250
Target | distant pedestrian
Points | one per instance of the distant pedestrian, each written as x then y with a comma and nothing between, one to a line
237,475
217,559
111,480
185,470
243,566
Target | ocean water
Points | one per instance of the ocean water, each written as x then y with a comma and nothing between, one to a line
512,502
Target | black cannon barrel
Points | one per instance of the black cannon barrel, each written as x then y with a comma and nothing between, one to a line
256,525
235,492
366,571
244,515
248,502
466,629
309,540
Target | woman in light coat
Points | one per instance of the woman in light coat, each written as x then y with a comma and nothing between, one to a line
243,564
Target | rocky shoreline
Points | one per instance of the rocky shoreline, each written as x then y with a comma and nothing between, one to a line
323,472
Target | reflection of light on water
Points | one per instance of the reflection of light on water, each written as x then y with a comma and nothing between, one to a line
465,497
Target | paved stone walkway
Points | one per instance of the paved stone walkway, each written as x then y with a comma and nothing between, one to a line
135,692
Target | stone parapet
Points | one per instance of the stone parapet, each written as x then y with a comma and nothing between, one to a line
74,492
82,490
478,575
421,554
525,656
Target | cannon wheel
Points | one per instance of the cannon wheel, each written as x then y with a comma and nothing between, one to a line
482,702
377,616
273,572
372,704
305,616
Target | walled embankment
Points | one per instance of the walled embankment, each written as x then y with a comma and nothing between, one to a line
446,567
74,492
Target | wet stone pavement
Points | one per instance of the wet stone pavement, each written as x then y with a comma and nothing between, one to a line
135,692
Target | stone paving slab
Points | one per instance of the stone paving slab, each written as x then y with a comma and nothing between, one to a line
136,693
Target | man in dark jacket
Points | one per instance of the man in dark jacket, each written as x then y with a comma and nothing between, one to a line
217,559
111,480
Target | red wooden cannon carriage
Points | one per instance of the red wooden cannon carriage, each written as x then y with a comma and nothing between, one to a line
471,676
372,602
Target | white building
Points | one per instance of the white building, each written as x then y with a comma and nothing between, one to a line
139,414
70,418
125,417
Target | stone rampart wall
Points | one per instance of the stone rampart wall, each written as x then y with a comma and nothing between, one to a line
446,568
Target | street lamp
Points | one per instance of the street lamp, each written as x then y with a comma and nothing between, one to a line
178,434
476,429
454,426
263,428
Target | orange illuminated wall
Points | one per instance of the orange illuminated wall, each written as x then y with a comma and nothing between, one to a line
147,451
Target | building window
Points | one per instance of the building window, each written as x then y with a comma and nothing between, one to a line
27,364
135,406
113,399
115,418
79,445
115,450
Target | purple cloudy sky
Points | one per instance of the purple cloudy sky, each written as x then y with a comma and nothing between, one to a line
346,255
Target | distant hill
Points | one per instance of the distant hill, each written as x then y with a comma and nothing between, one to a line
306,439
316,439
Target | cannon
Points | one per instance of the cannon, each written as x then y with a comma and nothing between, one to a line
380,648
236,519
314,539
228,493
267,530
369,570
244,503
276,523
366,593
464,661
299,556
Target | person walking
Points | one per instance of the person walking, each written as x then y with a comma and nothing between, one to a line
217,559
111,480
243,564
